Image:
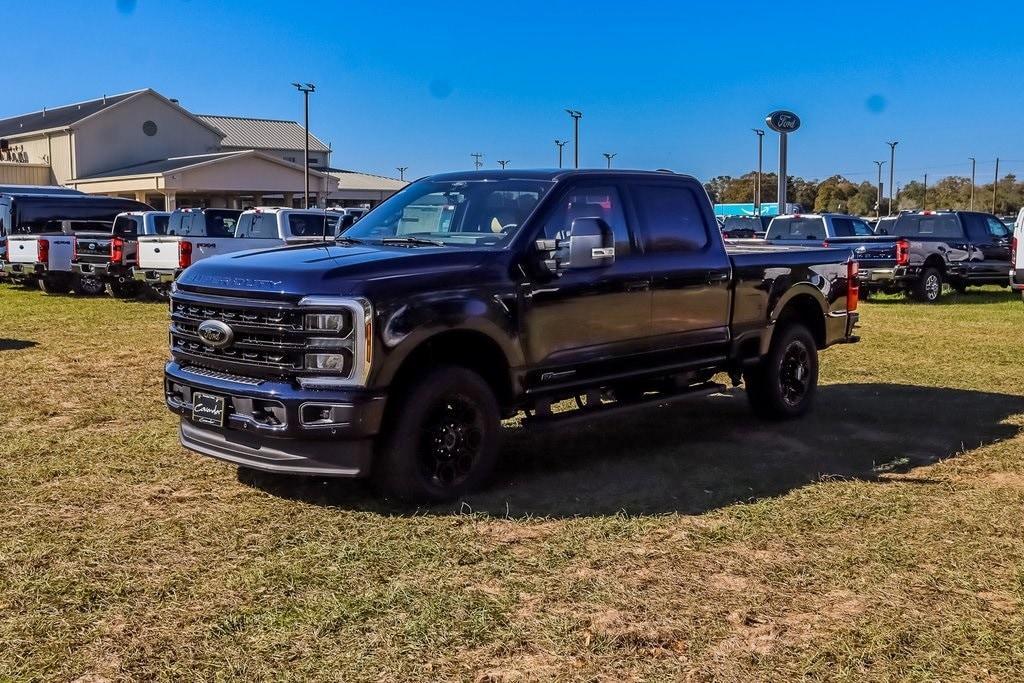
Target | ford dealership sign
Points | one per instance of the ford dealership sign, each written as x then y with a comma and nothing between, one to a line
783,121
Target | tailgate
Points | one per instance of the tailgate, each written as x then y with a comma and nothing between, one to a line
158,252
93,248
23,249
869,251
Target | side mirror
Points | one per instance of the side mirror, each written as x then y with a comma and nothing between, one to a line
591,244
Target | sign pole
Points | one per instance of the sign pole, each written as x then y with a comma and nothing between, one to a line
783,123
782,172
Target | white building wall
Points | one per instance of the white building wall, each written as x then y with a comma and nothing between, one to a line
115,138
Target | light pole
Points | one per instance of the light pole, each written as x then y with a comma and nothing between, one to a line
561,144
609,156
892,171
878,204
401,172
974,163
576,116
503,163
995,187
305,89
477,156
924,200
760,158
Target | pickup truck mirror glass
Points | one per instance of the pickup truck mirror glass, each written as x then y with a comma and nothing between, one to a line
590,244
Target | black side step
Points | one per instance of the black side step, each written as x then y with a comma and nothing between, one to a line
618,407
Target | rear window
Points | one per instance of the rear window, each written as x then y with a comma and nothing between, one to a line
672,218
741,223
160,224
257,226
796,229
885,226
128,226
936,225
221,223
850,227
312,225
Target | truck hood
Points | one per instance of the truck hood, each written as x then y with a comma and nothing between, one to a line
332,269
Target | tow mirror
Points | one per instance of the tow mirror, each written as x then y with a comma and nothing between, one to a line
590,244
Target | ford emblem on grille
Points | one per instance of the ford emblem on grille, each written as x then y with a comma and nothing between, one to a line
216,334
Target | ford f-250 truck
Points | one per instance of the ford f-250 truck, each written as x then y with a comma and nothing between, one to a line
162,258
107,258
396,350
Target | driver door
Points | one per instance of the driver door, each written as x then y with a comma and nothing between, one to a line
587,322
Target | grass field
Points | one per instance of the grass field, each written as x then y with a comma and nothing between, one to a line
880,538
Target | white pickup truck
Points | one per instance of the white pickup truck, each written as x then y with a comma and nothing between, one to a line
1017,255
40,242
188,239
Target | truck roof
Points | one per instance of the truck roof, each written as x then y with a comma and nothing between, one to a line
552,174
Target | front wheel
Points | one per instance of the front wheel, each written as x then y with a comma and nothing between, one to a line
783,384
929,287
441,439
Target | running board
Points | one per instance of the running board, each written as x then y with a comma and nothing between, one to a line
617,407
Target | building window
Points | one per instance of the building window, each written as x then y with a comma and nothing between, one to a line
149,128
291,159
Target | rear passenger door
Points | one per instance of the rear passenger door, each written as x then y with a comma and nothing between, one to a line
989,247
690,271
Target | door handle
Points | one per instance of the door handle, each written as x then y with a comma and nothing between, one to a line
637,286
715,276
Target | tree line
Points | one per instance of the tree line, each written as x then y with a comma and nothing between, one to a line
837,194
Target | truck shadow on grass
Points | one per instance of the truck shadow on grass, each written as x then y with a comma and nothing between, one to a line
692,458
16,344
951,298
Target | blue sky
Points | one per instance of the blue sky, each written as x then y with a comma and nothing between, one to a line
661,84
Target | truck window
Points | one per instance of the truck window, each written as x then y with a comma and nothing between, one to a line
936,225
850,227
797,228
127,226
221,223
590,202
996,228
160,224
257,226
311,224
671,217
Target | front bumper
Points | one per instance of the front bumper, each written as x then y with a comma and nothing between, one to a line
269,426
155,277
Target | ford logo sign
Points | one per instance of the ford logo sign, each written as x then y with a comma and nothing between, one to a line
216,334
783,121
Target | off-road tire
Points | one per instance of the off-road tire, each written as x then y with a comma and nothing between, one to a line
55,284
440,440
89,286
129,289
783,384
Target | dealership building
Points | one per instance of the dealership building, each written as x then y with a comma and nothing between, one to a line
142,145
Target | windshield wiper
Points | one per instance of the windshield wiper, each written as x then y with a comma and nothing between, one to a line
412,241
341,239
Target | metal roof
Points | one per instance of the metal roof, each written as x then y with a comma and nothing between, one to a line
160,165
59,117
351,180
249,133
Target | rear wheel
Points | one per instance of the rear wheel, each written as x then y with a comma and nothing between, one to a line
441,438
783,384
89,286
929,287
56,283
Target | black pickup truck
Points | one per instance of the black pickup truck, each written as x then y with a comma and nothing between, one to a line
106,259
924,250
395,350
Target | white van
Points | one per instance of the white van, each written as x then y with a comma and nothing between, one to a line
1017,255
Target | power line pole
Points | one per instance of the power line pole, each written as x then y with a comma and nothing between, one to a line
878,203
477,156
401,172
609,156
973,165
995,187
503,162
576,116
924,200
760,159
561,144
305,89
892,171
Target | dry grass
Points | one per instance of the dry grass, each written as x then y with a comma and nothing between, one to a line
878,539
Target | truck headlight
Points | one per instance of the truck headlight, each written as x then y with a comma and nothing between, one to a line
343,343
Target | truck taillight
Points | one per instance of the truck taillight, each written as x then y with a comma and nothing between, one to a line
1013,252
902,252
117,250
852,285
43,251
184,254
